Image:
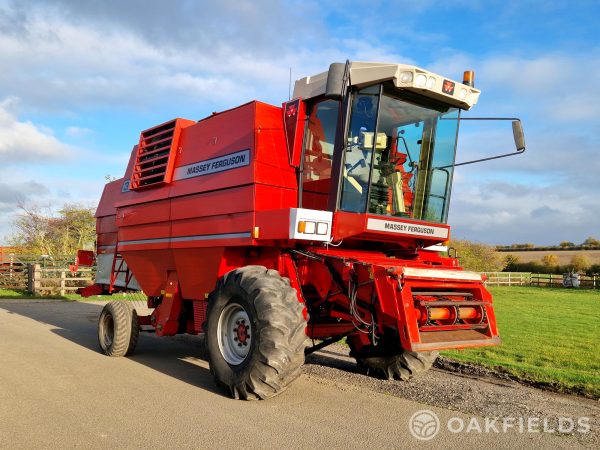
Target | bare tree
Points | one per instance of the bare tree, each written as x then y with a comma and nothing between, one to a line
39,232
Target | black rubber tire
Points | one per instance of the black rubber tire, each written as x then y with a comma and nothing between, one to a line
118,329
402,366
135,331
276,352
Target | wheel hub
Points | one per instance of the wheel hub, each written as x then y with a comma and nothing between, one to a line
241,331
234,334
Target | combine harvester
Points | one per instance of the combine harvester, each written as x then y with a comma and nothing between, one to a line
269,228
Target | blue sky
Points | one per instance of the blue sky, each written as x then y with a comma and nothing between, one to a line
81,79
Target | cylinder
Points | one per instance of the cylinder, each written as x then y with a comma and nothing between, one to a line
439,313
467,312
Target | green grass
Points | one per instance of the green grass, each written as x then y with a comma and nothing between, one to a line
14,293
549,336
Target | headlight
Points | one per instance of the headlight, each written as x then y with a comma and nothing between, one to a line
431,83
421,80
406,77
322,227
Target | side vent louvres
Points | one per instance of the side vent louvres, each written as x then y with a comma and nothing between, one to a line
155,159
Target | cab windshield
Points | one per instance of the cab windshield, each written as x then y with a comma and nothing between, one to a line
397,143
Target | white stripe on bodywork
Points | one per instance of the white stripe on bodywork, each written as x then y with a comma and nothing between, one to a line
413,272
200,237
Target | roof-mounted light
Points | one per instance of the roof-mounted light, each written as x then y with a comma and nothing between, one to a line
421,80
406,77
469,78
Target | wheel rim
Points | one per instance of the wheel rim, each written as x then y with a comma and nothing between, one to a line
107,328
234,334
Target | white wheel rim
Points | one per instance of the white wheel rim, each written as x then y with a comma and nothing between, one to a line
234,334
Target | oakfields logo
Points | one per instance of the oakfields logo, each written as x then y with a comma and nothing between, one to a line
425,425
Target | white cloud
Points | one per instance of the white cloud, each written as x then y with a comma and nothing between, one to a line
506,213
80,57
78,132
23,141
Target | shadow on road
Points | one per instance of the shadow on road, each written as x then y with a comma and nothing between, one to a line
334,359
77,322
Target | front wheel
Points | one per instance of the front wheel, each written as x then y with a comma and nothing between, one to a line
255,333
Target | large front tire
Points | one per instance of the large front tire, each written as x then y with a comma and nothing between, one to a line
255,333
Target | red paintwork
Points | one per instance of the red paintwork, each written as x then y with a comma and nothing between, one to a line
181,235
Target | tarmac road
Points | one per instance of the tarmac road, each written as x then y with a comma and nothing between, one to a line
58,391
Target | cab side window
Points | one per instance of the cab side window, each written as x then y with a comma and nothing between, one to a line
318,154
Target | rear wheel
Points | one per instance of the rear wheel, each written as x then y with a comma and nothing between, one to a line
402,366
118,329
255,333
389,361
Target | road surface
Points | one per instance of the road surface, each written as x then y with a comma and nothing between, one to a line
58,391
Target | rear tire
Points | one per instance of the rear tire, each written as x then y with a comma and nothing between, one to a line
255,333
118,329
402,366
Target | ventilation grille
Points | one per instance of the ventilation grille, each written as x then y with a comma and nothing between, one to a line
155,157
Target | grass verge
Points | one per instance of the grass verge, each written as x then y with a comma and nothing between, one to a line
13,293
549,337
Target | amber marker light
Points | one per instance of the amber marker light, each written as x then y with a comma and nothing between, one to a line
469,78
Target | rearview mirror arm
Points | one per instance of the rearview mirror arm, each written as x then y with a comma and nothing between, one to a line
518,135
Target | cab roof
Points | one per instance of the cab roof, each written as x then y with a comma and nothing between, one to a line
404,76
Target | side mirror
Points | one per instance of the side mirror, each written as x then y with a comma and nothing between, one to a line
518,135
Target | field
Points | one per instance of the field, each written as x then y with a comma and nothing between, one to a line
564,256
549,336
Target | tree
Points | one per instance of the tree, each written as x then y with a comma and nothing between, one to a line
565,244
550,260
510,262
580,263
478,257
591,242
40,232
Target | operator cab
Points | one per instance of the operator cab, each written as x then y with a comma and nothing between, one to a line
383,146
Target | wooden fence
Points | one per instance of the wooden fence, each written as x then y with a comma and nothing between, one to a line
13,273
538,279
61,281
43,280
508,278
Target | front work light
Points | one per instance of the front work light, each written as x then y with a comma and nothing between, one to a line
421,80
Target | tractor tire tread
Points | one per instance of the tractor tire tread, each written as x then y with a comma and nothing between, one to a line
281,323
124,338
402,366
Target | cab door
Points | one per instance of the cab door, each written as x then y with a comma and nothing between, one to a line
317,157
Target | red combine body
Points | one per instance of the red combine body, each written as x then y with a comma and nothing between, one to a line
266,226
